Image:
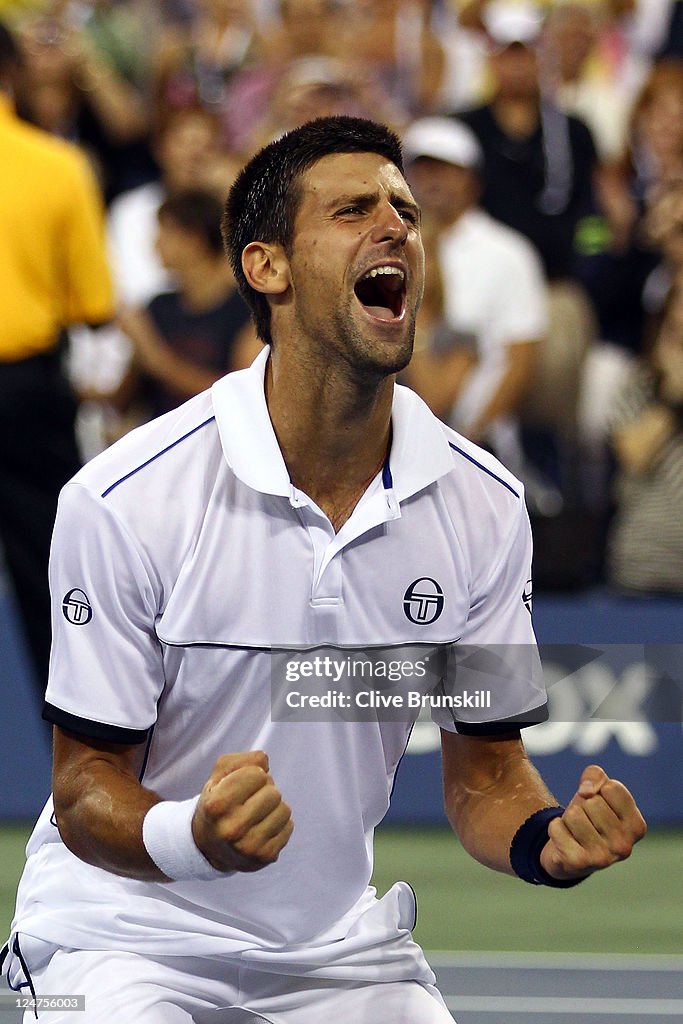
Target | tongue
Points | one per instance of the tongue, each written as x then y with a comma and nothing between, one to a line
381,312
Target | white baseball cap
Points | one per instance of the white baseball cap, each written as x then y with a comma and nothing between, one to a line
443,138
507,22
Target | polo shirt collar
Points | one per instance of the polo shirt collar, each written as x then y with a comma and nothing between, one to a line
247,436
419,454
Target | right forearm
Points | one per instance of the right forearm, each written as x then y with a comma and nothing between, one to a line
102,824
239,822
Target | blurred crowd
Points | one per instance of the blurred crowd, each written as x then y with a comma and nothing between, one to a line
544,142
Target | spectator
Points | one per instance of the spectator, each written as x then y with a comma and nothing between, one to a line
185,148
303,28
188,156
394,40
539,162
663,226
123,32
539,166
645,550
186,339
579,84
493,293
319,87
622,278
300,34
630,281
53,272
655,158
69,88
464,76
195,62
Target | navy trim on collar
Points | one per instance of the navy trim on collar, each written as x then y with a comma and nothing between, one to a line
484,469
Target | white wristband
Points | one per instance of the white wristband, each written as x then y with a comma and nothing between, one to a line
168,839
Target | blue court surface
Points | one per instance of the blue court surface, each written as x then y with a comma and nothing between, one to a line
516,988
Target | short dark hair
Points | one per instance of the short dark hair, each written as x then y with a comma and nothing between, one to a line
11,57
263,202
198,211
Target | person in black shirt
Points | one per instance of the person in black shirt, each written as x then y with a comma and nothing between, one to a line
539,166
186,339
539,161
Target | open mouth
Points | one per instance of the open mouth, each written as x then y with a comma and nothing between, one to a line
382,292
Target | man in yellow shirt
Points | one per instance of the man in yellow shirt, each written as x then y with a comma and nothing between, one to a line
53,273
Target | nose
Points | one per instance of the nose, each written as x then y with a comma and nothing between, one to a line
389,225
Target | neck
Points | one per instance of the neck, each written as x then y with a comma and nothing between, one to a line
518,116
205,284
333,430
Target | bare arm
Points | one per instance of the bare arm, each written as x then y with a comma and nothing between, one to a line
116,101
100,805
491,788
639,444
240,823
156,358
521,359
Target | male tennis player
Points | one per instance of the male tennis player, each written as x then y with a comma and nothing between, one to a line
306,502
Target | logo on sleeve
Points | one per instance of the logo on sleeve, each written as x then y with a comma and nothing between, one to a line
527,595
76,607
423,601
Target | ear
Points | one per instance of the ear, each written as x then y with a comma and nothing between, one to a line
266,267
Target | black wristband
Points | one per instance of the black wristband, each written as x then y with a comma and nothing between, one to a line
526,846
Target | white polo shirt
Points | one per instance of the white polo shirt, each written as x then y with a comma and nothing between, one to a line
181,557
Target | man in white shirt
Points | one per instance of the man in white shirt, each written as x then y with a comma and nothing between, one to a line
202,564
493,289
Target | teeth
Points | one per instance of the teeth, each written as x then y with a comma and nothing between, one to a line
384,270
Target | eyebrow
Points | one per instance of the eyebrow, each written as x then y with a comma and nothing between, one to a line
368,198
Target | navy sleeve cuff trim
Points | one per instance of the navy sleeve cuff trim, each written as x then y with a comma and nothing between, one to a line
504,725
93,730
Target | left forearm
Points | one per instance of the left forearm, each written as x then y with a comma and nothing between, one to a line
512,388
487,799
491,788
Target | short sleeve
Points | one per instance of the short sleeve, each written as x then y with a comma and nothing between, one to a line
106,671
494,669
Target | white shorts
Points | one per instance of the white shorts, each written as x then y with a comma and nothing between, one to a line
130,988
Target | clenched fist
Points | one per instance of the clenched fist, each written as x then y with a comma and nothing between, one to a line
601,824
241,822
